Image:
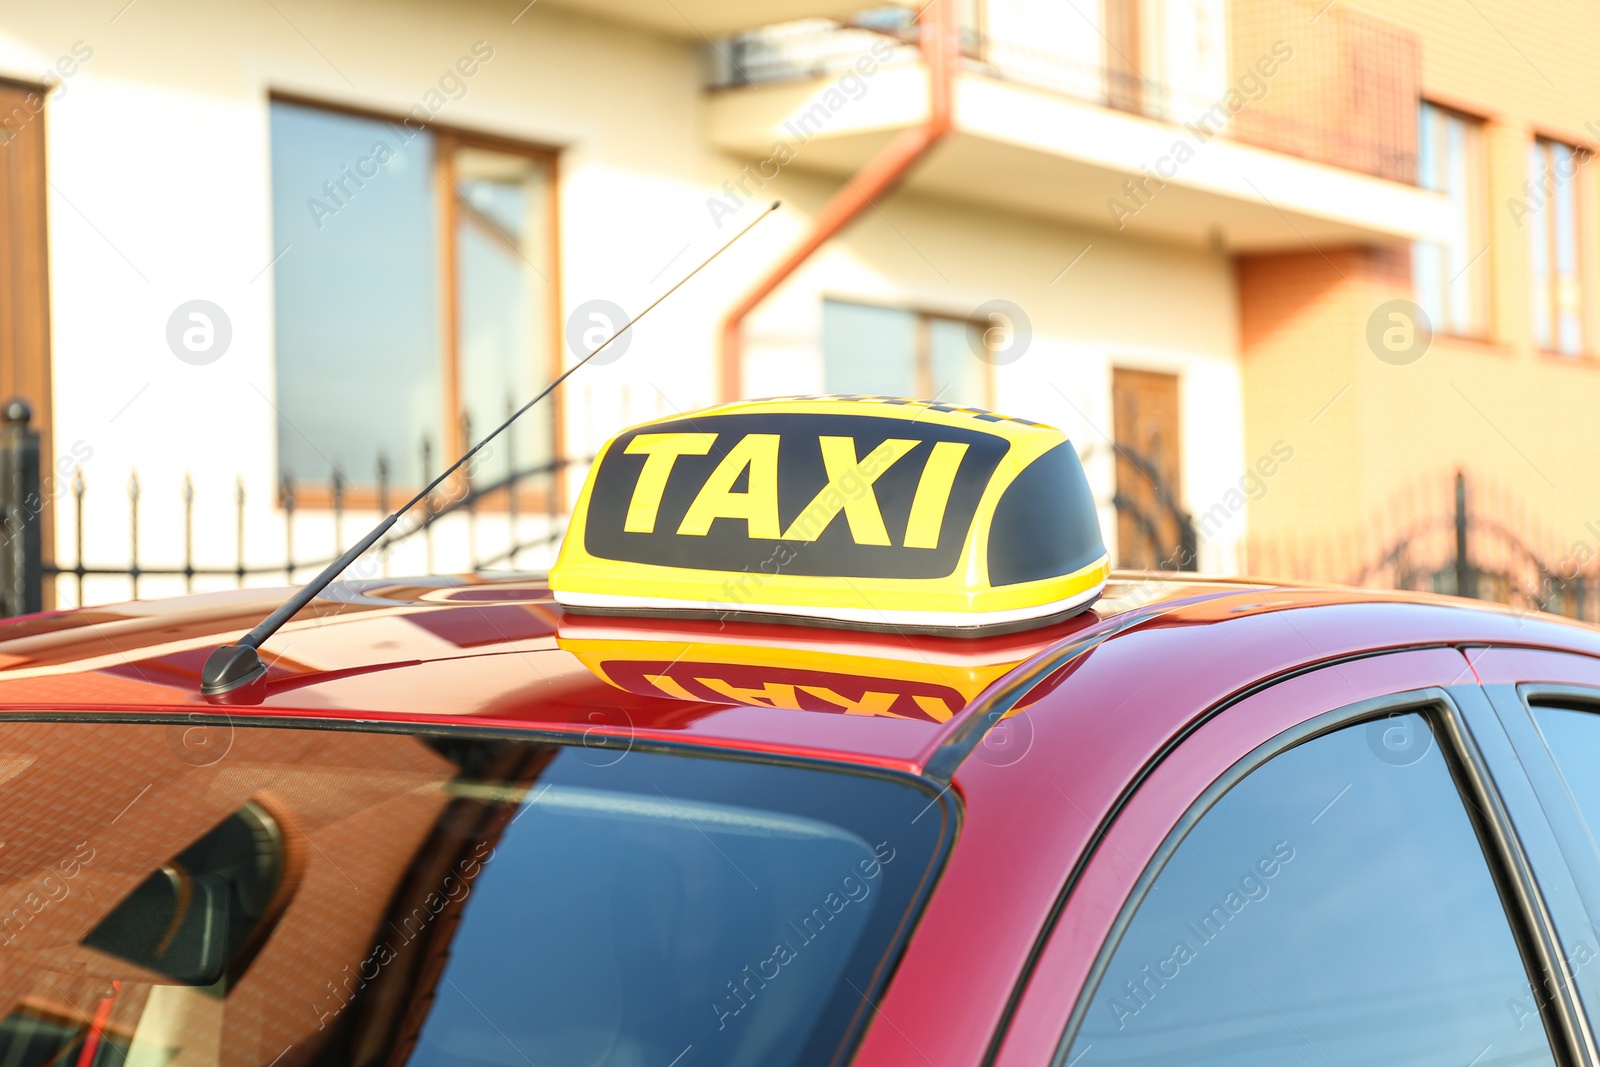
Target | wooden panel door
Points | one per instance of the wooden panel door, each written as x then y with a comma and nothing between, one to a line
1149,492
24,277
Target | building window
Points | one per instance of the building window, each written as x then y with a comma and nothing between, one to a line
1452,279
1554,247
884,351
414,300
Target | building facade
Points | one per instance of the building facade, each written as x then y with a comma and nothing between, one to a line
1505,132
297,254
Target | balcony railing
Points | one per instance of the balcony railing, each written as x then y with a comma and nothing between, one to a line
813,48
1346,95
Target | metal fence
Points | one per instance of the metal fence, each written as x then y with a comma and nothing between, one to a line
22,505
27,564
1445,536
1453,535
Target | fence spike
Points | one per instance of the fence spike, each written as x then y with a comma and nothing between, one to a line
238,500
287,493
187,490
511,489
472,500
550,502
383,508
336,489
427,505
133,523
78,486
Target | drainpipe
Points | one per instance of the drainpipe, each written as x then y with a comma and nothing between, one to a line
941,52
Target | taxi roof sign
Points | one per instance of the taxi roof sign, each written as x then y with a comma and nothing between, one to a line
864,512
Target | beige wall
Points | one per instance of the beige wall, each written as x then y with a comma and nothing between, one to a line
1515,419
1125,303
158,158
158,152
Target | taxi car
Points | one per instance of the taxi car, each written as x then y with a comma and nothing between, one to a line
628,813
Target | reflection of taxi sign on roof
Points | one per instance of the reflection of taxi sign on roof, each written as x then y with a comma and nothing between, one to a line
882,675
861,511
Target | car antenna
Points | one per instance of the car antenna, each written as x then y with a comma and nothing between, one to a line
230,667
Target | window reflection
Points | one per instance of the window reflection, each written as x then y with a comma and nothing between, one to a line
356,292
1553,235
413,295
1334,906
881,351
869,350
1452,278
502,227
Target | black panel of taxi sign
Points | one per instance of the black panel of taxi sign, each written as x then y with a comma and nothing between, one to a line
850,488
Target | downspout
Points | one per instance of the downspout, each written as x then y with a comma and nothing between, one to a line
941,52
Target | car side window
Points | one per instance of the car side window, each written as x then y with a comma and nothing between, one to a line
1573,738
1333,906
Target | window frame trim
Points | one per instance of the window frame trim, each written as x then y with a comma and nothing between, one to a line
1527,917
1513,704
314,494
1472,730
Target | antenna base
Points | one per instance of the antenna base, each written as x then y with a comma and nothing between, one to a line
230,667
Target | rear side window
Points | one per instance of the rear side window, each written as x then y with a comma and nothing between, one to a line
1334,906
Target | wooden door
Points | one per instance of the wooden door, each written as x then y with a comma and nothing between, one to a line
1149,492
24,277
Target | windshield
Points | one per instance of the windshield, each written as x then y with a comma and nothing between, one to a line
190,895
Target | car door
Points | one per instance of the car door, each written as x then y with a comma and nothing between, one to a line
1323,871
1547,704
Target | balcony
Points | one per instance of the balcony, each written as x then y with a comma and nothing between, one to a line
1305,131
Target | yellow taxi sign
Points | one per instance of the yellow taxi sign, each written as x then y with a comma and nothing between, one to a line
863,512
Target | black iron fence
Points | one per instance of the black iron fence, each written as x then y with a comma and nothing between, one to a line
531,496
22,504
1451,537
1458,537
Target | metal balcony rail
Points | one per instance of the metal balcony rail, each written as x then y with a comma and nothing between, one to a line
811,48
1346,96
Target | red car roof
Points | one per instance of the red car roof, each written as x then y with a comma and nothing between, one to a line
496,652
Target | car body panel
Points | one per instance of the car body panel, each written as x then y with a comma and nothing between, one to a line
1166,795
481,652
1037,793
1503,665
1100,732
